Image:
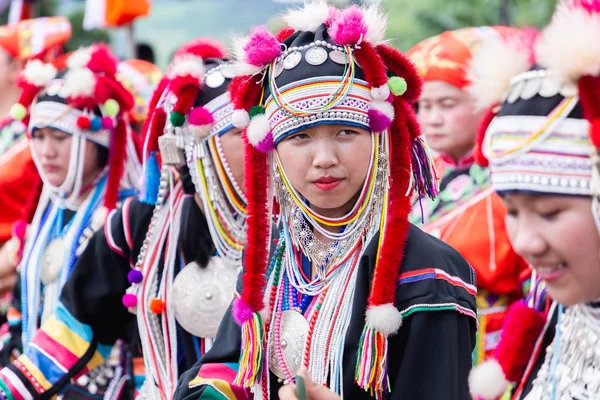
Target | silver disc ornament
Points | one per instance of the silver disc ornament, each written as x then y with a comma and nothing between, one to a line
293,335
52,260
201,296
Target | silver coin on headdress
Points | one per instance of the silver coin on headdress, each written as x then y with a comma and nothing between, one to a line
52,260
316,56
201,296
293,335
338,57
292,59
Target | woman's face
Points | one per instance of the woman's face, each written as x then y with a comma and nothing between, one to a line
557,235
233,150
327,165
53,150
448,119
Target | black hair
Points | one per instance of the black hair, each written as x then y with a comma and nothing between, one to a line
195,242
143,51
102,157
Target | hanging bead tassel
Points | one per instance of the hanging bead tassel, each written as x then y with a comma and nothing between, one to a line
252,356
424,175
371,366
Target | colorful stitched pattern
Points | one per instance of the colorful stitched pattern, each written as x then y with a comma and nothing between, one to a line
434,273
218,379
55,349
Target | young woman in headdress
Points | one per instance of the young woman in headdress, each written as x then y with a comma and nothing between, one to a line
542,147
371,305
172,256
467,213
83,150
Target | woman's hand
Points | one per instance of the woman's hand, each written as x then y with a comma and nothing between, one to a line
313,390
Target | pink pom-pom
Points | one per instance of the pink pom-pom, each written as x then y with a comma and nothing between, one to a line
200,116
591,6
108,123
266,145
241,312
262,48
19,230
378,121
349,28
333,14
129,300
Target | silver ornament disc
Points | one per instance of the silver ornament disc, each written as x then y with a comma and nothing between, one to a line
338,57
215,79
316,56
52,260
291,60
201,296
277,68
293,335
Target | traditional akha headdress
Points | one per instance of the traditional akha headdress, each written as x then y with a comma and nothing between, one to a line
88,102
140,78
330,66
40,38
189,110
541,136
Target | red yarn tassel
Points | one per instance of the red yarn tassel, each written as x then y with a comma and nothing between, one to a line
158,92
186,98
372,65
395,231
483,126
522,328
589,93
116,162
400,66
156,128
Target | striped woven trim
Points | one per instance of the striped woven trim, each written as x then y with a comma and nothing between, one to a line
221,109
12,386
435,273
219,377
314,93
126,224
439,307
49,114
557,163
109,237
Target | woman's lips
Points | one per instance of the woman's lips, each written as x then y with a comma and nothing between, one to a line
327,183
551,273
50,168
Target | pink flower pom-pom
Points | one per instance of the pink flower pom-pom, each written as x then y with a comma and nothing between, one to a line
349,28
241,312
378,121
108,123
266,145
262,47
200,116
334,13
129,300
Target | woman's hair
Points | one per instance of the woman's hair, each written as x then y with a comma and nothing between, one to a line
102,157
195,242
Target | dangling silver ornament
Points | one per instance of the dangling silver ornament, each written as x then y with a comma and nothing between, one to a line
52,260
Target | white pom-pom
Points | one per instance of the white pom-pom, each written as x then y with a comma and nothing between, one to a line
487,381
384,107
376,22
240,119
38,73
79,82
380,93
258,129
309,17
80,58
384,318
569,47
200,131
188,65
494,65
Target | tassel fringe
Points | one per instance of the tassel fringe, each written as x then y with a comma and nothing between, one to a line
252,356
424,175
371,365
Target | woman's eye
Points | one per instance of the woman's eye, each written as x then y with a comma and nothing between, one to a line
300,136
550,215
448,104
512,213
347,132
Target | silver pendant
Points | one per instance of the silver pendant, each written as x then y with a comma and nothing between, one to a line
52,260
293,335
169,151
338,57
316,56
202,295
215,79
291,60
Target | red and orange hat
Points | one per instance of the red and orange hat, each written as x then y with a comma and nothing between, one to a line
40,38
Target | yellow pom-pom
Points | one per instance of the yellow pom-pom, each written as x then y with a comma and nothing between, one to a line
111,107
18,112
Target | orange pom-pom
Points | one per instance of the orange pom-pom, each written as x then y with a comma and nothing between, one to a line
157,306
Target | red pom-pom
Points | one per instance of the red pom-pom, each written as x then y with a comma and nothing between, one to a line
285,33
102,60
522,328
157,306
83,122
